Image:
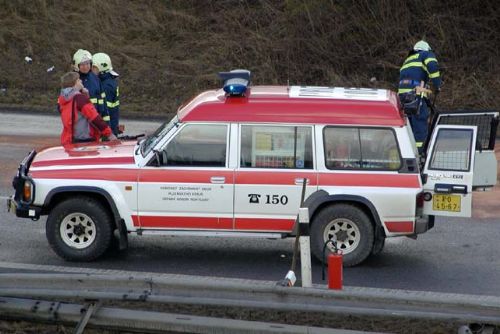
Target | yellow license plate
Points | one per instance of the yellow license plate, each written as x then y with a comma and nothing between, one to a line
446,203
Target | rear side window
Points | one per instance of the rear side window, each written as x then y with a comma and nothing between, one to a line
288,147
452,150
361,148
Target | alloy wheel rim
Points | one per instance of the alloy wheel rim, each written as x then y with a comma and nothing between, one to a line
345,231
78,230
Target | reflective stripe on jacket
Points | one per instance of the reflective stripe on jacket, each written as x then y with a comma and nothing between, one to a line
109,83
110,86
96,93
418,66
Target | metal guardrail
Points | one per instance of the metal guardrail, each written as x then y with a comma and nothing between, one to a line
113,318
263,295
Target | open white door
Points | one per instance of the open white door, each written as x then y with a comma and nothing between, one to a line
448,171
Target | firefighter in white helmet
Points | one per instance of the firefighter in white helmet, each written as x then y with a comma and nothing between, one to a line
104,69
82,63
419,68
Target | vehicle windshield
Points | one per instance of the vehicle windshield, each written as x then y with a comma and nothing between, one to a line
151,141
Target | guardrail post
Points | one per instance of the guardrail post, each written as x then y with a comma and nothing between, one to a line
305,248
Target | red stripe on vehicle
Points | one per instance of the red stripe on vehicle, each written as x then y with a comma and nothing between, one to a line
84,161
184,176
272,178
369,180
204,176
264,224
135,219
399,226
105,174
183,222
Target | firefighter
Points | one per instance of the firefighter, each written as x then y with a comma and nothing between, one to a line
419,67
81,122
101,66
82,63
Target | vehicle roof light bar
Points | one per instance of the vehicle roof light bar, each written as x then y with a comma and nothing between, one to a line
235,82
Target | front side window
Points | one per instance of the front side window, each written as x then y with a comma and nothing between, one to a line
288,147
198,145
361,148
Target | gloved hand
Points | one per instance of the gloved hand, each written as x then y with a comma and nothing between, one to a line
111,137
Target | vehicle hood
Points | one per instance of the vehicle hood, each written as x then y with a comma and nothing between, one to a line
105,153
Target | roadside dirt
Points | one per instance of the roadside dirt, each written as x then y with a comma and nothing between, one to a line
487,204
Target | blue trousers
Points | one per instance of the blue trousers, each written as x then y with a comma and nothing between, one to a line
419,125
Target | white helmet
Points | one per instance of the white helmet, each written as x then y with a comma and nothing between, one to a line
81,56
102,62
422,46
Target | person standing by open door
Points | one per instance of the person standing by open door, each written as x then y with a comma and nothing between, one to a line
420,67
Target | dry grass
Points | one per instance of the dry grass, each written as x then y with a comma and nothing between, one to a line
167,51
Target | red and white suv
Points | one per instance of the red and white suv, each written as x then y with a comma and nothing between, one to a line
233,165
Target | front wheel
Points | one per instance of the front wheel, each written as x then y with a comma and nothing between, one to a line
350,226
79,229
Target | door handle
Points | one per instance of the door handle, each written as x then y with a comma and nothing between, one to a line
218,179
300,180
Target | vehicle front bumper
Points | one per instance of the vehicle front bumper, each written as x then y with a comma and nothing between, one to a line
15,203
23,210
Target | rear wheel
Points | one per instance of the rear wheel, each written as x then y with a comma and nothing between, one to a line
350,226
79,229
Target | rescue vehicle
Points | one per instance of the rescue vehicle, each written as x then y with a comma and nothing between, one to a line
232,162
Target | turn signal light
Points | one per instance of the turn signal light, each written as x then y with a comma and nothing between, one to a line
27,191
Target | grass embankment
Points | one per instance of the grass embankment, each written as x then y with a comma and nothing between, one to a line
167,51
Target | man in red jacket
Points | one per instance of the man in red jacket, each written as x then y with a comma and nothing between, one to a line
81,121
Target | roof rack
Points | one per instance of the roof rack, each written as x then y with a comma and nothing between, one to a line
367,94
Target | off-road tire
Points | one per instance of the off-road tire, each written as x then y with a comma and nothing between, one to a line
96,216
358,224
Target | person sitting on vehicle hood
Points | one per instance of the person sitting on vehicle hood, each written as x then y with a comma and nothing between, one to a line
81,121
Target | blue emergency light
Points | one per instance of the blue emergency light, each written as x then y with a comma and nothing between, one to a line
235,81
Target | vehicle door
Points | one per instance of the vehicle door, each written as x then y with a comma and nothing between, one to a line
448,171
188,185
485,161
273,161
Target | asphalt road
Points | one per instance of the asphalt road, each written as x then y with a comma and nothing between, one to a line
457,256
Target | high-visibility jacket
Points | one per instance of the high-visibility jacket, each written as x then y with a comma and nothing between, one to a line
109,84
419,66
96,93
81,122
